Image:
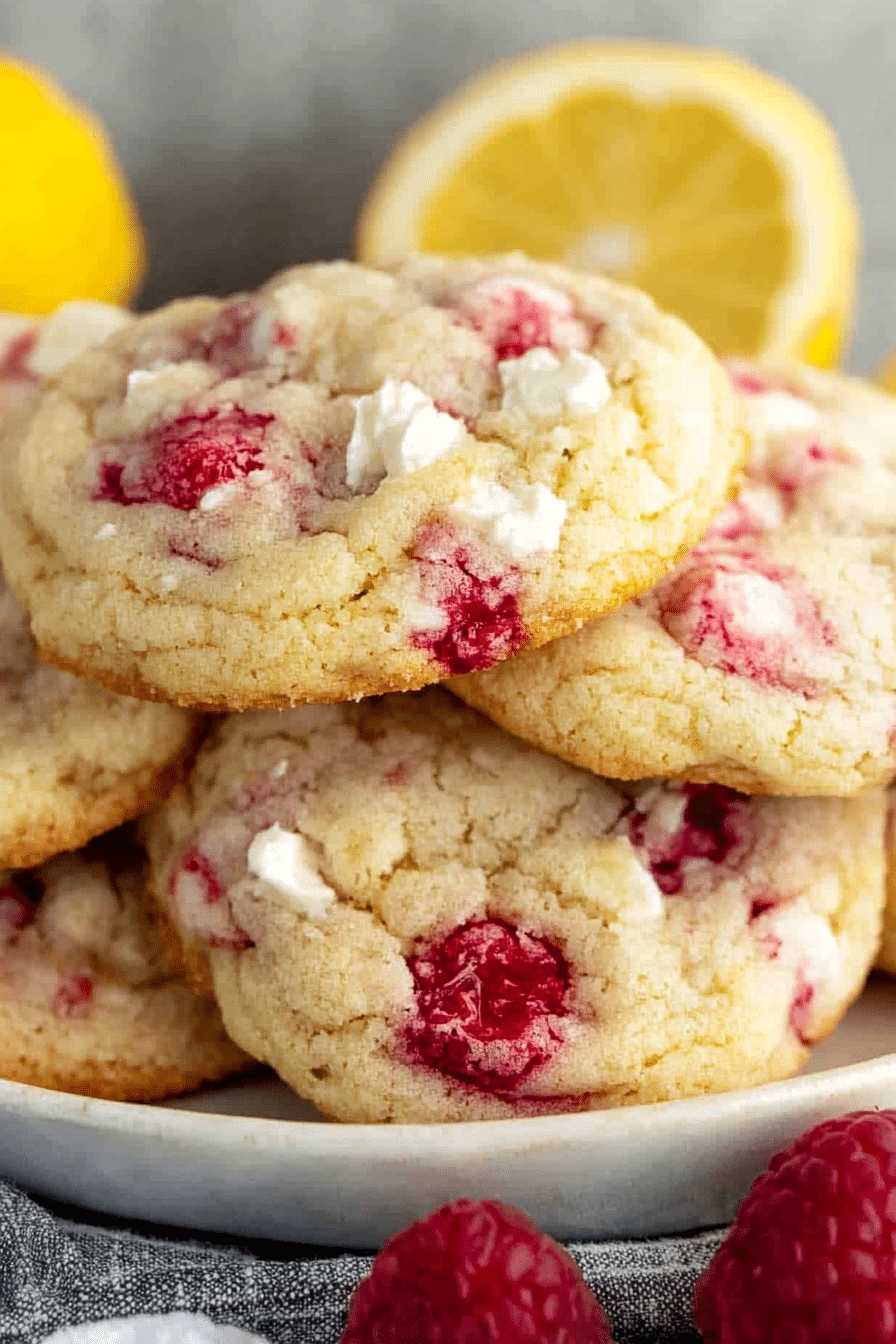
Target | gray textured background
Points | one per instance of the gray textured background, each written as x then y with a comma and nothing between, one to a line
251,128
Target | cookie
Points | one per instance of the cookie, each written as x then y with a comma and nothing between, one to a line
33,348
90,1000
356,480
17,335
767,660
886,959
75,759
413,916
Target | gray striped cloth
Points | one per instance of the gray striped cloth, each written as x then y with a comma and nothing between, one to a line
58,1269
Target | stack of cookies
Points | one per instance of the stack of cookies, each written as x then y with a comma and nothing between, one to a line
632,848
91,999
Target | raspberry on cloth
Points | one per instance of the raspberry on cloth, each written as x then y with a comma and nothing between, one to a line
810,1257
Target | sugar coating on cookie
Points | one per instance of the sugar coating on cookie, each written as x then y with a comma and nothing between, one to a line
358,480
767,659
75,759
90,999
413,916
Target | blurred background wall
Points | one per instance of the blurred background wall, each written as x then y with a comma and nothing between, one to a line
251,128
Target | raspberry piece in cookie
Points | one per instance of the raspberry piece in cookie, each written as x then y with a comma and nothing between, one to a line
515,314
413,916
90,1001
199,900
489,1000
183,462
767,659
477,598
733,610
33,348
684,832
75,759
17,336
356,480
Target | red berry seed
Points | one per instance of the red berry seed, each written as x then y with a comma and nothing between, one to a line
489,1001
474,1272
811,1257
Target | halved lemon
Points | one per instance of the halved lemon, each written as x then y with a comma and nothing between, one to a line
689,173
68,227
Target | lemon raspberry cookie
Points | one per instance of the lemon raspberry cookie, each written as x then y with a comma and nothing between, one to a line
413,916
358,480
33,348
90,1000
886,960
767,659
75,759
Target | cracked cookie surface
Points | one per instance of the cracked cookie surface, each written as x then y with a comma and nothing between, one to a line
355,480
767,660
75,759
413,916
90,1000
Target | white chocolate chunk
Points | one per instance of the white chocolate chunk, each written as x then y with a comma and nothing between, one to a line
542,383
282,860
772,413
69,331
397,430
523,520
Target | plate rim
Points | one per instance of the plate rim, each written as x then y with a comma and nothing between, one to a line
159,1121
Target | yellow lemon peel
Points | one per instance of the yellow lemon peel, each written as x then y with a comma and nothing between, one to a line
68,226
689,173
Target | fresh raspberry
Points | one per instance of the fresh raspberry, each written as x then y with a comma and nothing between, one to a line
474,1272
489,1002
188,456
811,1257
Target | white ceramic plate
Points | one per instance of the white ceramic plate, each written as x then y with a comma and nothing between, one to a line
253,1160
